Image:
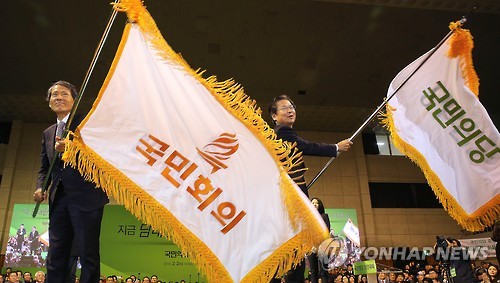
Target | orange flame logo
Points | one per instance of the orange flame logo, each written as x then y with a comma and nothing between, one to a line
219,150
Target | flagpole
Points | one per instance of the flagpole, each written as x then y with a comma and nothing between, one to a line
78,98
384,103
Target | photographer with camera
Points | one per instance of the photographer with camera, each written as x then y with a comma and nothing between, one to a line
454,260
481,275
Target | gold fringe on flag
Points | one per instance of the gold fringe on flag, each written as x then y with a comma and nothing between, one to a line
476,222
232,97
461,45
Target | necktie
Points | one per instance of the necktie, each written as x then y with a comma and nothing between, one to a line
60,129
59,132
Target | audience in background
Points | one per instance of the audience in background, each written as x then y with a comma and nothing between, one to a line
13,278
485,272
493,273
40,277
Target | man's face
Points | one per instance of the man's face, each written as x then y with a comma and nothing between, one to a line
61,100
109,280
433,274
154,279
40,277
392,276
27,276
285,113
13,277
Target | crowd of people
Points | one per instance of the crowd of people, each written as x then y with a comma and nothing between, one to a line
439,273
18,276
25,249
415,273
134,279
485,272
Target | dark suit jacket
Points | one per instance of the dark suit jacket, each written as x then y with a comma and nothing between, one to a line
327,220
288,134
34,236
82,193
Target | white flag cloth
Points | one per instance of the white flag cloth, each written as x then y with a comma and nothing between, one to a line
352,232
193,158
436,119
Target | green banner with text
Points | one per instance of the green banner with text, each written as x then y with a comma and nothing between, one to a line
127,246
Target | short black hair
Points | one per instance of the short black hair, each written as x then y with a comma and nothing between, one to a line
71,87
273,108
456,240
479,271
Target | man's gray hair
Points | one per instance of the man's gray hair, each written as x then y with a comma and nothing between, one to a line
71,87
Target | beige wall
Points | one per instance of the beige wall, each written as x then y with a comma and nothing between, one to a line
344,185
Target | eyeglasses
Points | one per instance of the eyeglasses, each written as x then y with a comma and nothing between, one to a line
287,108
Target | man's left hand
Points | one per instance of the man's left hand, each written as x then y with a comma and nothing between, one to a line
344,145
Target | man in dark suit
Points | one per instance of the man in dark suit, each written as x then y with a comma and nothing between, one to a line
34,239
20,238
282,111
75,205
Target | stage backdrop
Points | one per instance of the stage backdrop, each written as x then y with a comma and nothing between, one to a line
339,217
127,246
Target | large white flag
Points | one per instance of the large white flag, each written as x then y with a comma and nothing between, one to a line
436,119
193,158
